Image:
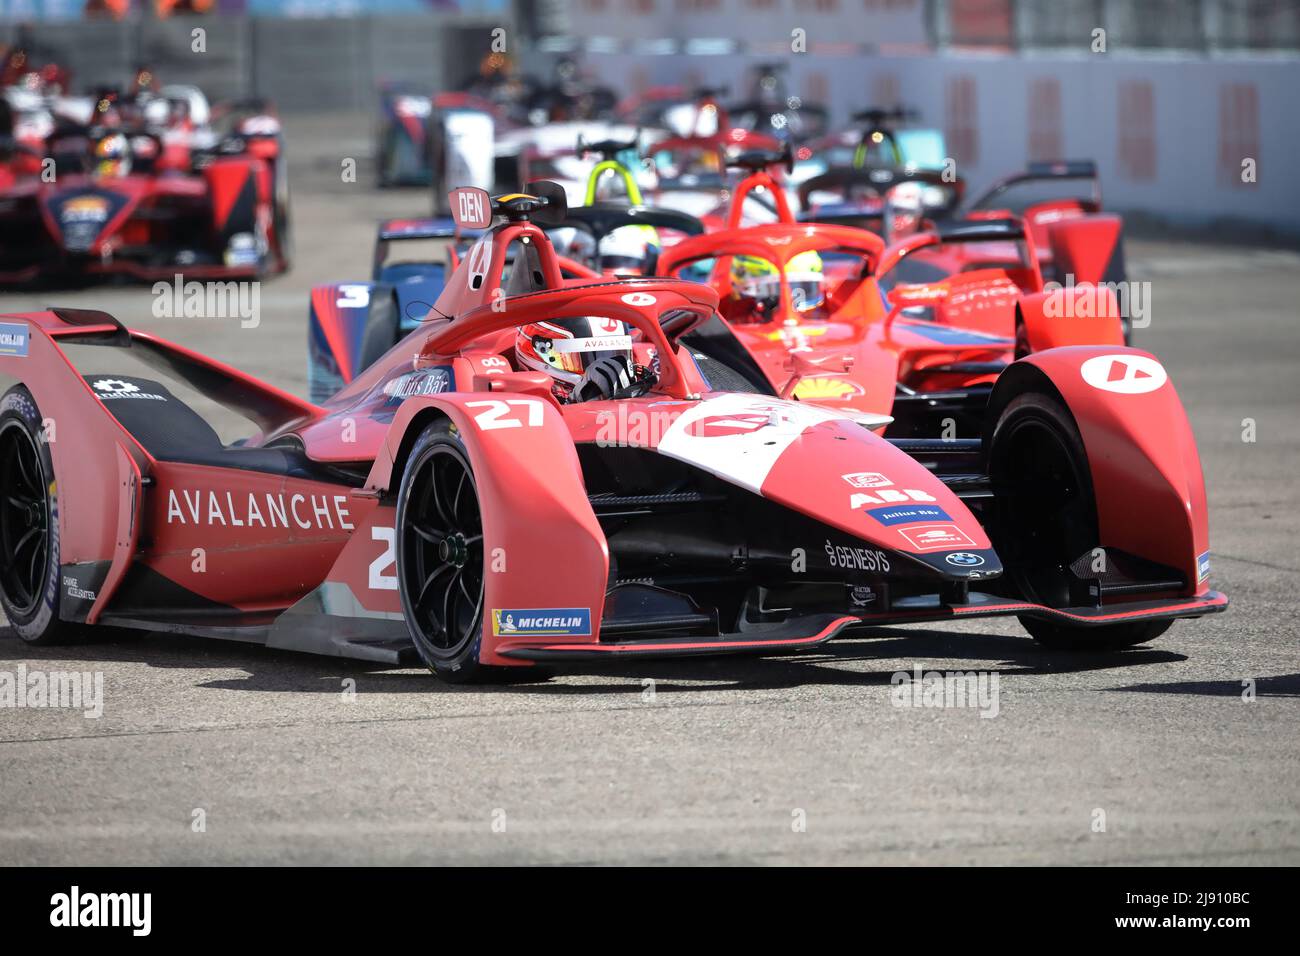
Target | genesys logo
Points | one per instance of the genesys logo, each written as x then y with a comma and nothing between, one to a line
542,622
856,558
1124,374
129,910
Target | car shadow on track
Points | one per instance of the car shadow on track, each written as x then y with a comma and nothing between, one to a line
839,663
1280,685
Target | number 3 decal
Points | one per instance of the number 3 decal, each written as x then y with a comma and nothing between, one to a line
353,296
500,414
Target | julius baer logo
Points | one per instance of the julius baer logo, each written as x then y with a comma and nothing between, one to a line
76,909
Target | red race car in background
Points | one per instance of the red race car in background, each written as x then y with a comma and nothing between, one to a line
130,200
1074,240
427,505
831,314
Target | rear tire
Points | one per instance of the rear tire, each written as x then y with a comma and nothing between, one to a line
29,526
1046,520
440,557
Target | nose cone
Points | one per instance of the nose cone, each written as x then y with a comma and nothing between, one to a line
970,565
820,463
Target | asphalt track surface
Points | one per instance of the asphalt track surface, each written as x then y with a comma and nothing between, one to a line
780,760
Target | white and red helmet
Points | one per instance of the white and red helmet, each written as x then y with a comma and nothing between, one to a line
565,348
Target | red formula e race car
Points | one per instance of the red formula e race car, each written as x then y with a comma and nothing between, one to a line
830,314
542,472
127,201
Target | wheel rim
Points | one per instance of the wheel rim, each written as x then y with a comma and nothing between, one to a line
442,532
24,520
1048,512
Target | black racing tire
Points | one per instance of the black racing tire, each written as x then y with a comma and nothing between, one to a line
440,557
383,327
29,526
1046,519
322,383
383,158
283,221
1111,637
1022,347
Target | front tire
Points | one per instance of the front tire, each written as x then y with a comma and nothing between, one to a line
1046,521
440,559
1111,637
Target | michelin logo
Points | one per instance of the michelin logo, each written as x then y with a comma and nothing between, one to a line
13,339
542,622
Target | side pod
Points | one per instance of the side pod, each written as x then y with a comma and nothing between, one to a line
1142,456
543,546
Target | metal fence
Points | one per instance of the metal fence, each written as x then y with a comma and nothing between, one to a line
299,63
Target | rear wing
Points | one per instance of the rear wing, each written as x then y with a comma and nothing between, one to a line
879,181
1043,172
399,230
963,231
982,230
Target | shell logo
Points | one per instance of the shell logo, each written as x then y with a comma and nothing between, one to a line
794,331
85,204
820,388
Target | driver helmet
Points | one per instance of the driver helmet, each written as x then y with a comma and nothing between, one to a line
113,155
624,249
904,210
756,278
565,348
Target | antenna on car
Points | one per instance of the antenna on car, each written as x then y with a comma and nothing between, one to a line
473,208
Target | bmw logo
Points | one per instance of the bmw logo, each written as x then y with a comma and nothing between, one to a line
964,559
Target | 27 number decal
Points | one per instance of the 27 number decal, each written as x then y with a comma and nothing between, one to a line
511,413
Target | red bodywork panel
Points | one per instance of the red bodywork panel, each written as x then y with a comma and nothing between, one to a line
1142,455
